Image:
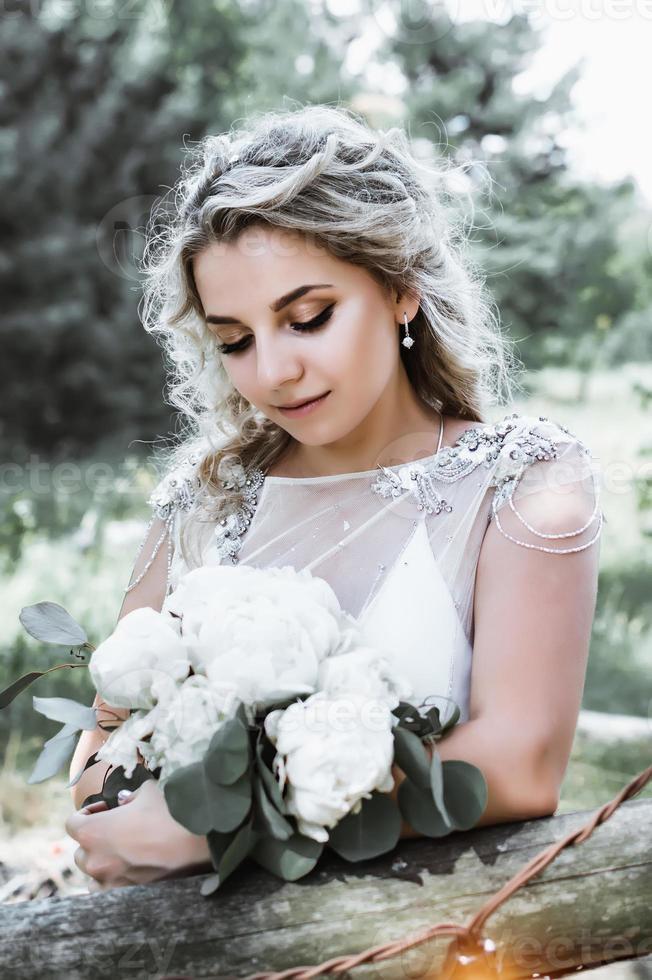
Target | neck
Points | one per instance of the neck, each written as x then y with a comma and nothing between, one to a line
399,429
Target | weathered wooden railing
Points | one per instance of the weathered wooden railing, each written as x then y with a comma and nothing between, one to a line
591,905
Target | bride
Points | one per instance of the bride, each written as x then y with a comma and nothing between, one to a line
334,355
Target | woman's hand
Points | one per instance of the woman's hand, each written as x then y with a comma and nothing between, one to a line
135,842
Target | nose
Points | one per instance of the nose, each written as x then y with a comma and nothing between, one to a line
276,364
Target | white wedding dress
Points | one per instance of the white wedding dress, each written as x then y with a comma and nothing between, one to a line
399,545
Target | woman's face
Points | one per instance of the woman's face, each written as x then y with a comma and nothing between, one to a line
339,336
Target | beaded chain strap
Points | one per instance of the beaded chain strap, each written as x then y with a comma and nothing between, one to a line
176,491
522,445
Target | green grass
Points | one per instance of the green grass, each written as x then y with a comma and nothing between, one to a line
598,770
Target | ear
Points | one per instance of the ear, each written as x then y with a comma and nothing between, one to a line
406,303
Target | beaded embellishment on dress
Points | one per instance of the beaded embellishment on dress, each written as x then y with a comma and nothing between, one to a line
177,490
230,529
474,447
414,477
509,446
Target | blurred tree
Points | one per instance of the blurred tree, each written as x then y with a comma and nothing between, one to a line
549,244
98,104
100,100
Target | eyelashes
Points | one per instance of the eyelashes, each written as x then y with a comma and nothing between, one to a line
314,324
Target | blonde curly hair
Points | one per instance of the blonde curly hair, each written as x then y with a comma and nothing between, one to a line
360,193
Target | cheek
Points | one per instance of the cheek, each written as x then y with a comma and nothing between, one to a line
363,361
241,375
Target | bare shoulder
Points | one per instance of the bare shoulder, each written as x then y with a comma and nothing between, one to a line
455,427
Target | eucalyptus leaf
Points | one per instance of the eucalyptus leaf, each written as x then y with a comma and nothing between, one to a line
241,845
434,717
210,885
437,788
227,756
420,810
232,803
15,688
409,717
241,713
51,623
465,791
217,844
453,720
200,805
411,756
89,762
118,779
374,830
68,729
56,752
192,798
290,859
63,709
270,820
270,781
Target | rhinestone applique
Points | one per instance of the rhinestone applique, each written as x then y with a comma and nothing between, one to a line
474,447
511,441
507,446
229,530
178,488
414,477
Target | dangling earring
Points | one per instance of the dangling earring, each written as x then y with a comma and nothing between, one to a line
407,340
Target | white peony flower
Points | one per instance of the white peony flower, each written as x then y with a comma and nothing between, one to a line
144,648
331,752
365,671
186,723
198,589
263,631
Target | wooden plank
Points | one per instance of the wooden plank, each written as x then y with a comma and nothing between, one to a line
638,969
591,896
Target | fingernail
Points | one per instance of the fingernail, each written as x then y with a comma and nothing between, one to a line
123,795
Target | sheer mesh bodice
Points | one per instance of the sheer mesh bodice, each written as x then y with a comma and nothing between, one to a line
400,545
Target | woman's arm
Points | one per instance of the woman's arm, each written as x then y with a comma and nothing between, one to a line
150,591
533,614
117,847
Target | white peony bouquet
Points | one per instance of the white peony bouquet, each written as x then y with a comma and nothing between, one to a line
270,723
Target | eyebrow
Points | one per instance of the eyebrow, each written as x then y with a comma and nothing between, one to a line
277,305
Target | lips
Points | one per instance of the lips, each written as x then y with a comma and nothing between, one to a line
306,407
306,402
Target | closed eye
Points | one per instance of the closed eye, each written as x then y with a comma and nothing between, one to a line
314,324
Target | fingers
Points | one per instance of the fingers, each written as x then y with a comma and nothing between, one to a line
124,796
96,807
79,822
105,886
98,869
83,861
80,857
79,818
